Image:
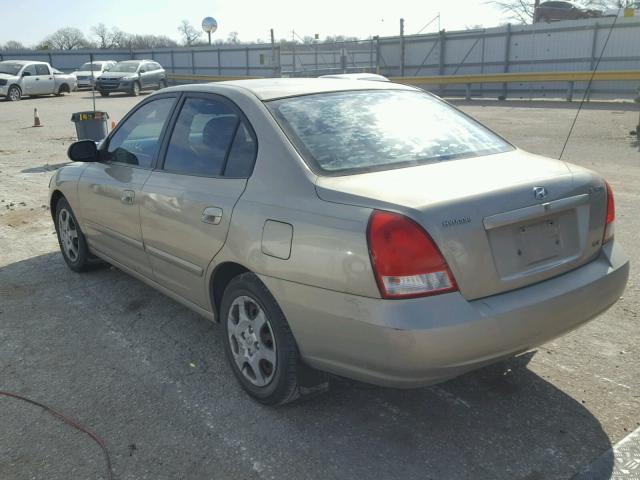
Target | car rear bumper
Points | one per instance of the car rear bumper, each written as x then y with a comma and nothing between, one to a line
416,342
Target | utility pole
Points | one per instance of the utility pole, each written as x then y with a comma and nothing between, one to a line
273,54
209,33
402,47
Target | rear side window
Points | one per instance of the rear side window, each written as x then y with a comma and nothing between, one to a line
42,69
210,138
137,140
355,131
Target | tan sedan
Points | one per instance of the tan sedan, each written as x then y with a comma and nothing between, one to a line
366,229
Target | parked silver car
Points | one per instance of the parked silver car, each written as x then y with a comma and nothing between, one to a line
367,229
131,76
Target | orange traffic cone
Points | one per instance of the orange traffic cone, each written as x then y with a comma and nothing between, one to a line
113,124
36,118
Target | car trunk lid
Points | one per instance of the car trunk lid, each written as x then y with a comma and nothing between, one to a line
496,227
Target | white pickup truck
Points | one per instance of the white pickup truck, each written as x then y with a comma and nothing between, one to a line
25,77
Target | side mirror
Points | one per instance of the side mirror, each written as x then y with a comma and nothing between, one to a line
26,74
142,70
83,151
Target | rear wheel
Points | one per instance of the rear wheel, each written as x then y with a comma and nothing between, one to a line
73,244
62,90
14,94
260,347
163,84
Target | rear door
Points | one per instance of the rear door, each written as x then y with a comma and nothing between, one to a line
110,190
45,82
187,203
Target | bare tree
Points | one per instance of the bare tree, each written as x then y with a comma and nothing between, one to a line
13,45
104,35
66,39
522,11
519,10
233,39
189,33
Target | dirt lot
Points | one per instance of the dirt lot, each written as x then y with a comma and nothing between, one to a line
149,376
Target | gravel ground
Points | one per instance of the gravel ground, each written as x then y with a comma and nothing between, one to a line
150,378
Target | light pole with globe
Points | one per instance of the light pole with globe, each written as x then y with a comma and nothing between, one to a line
209,25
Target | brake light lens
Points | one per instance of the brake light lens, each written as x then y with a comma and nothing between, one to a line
405,260
611,215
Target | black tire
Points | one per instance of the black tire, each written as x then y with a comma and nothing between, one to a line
83,258
62,90
162,84
14,93
104,94
284,385
135,89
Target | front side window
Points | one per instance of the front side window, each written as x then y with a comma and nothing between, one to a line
202,139
137,140
29,70
347,132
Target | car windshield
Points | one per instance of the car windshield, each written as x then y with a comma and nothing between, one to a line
10,68
347,132
128,67
95,67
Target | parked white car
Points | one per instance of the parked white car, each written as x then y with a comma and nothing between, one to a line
88,72
24,77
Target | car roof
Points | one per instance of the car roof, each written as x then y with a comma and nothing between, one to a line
271,88
357,76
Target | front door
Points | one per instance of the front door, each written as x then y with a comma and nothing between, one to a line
187,204
110,190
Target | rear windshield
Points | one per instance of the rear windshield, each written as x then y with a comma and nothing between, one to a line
95,67
349,132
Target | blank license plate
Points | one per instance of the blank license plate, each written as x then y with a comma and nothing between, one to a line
540,241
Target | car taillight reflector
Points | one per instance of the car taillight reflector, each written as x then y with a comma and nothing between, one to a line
405,260
611,215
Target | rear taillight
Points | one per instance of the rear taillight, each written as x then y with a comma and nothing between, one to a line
611,215
405,260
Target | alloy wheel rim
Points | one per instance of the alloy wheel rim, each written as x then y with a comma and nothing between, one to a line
13,94
252,342
68,235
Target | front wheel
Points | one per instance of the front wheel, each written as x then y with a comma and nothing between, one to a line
14,94
259,344
104,94
162,84
135,89
73,244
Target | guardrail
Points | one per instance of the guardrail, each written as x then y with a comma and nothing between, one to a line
520,77
468,80
204,78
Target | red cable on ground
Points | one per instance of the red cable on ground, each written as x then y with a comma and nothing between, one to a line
71,422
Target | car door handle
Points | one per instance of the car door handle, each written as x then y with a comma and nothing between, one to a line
37,79
128,197
212,215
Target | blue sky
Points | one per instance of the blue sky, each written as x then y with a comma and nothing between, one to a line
28,21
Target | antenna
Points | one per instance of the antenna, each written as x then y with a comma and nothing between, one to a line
587,90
